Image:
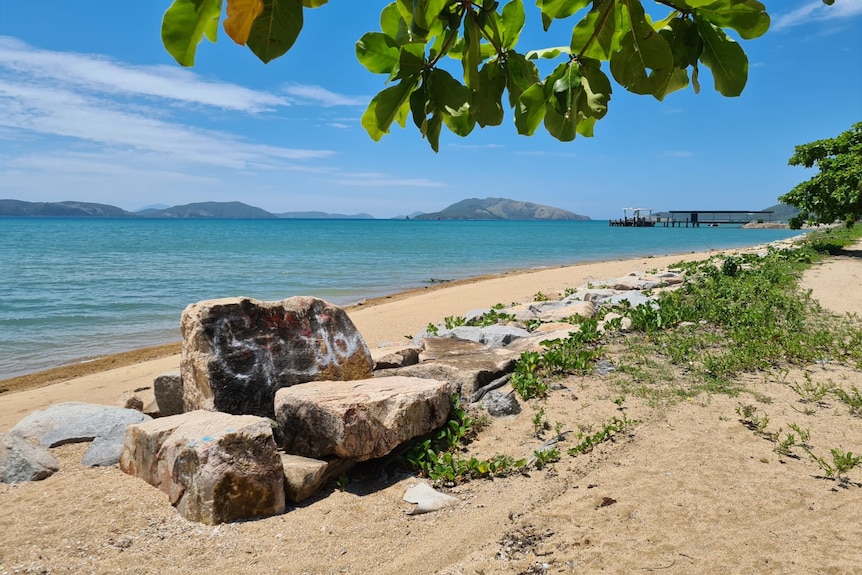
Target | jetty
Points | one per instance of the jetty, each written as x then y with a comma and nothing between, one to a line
645,218
640,218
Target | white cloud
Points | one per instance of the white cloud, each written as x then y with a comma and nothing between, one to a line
99,74
369,179
815,11
309,94
62,113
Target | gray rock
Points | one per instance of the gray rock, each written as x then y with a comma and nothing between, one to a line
534,341
594,295
635,298
238,351
544,306
502,335
359,420
213,466
394,356
75,422
499,403
303,476
522,312
168,388
22,461
468,332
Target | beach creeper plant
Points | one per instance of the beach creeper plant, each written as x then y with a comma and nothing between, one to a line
437,456
459,64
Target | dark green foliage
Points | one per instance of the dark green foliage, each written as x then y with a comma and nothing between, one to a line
437,457
835,193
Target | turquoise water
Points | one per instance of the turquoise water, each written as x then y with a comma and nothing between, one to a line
78,288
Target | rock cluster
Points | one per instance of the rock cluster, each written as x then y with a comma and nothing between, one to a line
275,399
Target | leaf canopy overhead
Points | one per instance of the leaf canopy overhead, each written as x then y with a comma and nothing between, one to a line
418,37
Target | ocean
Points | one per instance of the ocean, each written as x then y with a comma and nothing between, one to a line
72,289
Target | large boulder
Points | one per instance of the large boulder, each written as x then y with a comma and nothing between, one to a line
238,351
359,420
22,461
75,422
214,467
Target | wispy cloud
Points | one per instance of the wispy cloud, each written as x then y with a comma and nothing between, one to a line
366,179
309,94
98,74
70,99
816,11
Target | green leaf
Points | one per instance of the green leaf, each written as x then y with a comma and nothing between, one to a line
472,55
520,75
547,53
724,57
644,57
530,110
411,61
425,12
185,24
596,89
558,9
390,105
313,3
747,17
565,87
435,126
377,52
598,34
686,46
487,106
393,25
513,19
276,29
683,37
451,100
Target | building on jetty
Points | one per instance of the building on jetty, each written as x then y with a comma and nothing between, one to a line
644,218
713,218
640,218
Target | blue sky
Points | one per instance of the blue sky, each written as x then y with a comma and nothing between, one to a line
92,108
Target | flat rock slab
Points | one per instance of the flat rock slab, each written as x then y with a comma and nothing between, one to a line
394,356
238,351
466,365
359,420
214,467
21,461
75,422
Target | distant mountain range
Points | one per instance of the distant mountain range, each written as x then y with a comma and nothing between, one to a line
500,209
201,210
471,209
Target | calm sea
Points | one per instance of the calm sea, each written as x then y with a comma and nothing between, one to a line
78,288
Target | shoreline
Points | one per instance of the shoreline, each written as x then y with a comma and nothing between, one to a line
590,270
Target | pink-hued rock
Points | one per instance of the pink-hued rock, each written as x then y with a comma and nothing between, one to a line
359,420
238,351
214,467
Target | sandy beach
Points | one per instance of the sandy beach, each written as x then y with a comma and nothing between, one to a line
688,490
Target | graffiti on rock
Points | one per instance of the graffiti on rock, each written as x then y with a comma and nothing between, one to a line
257,351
